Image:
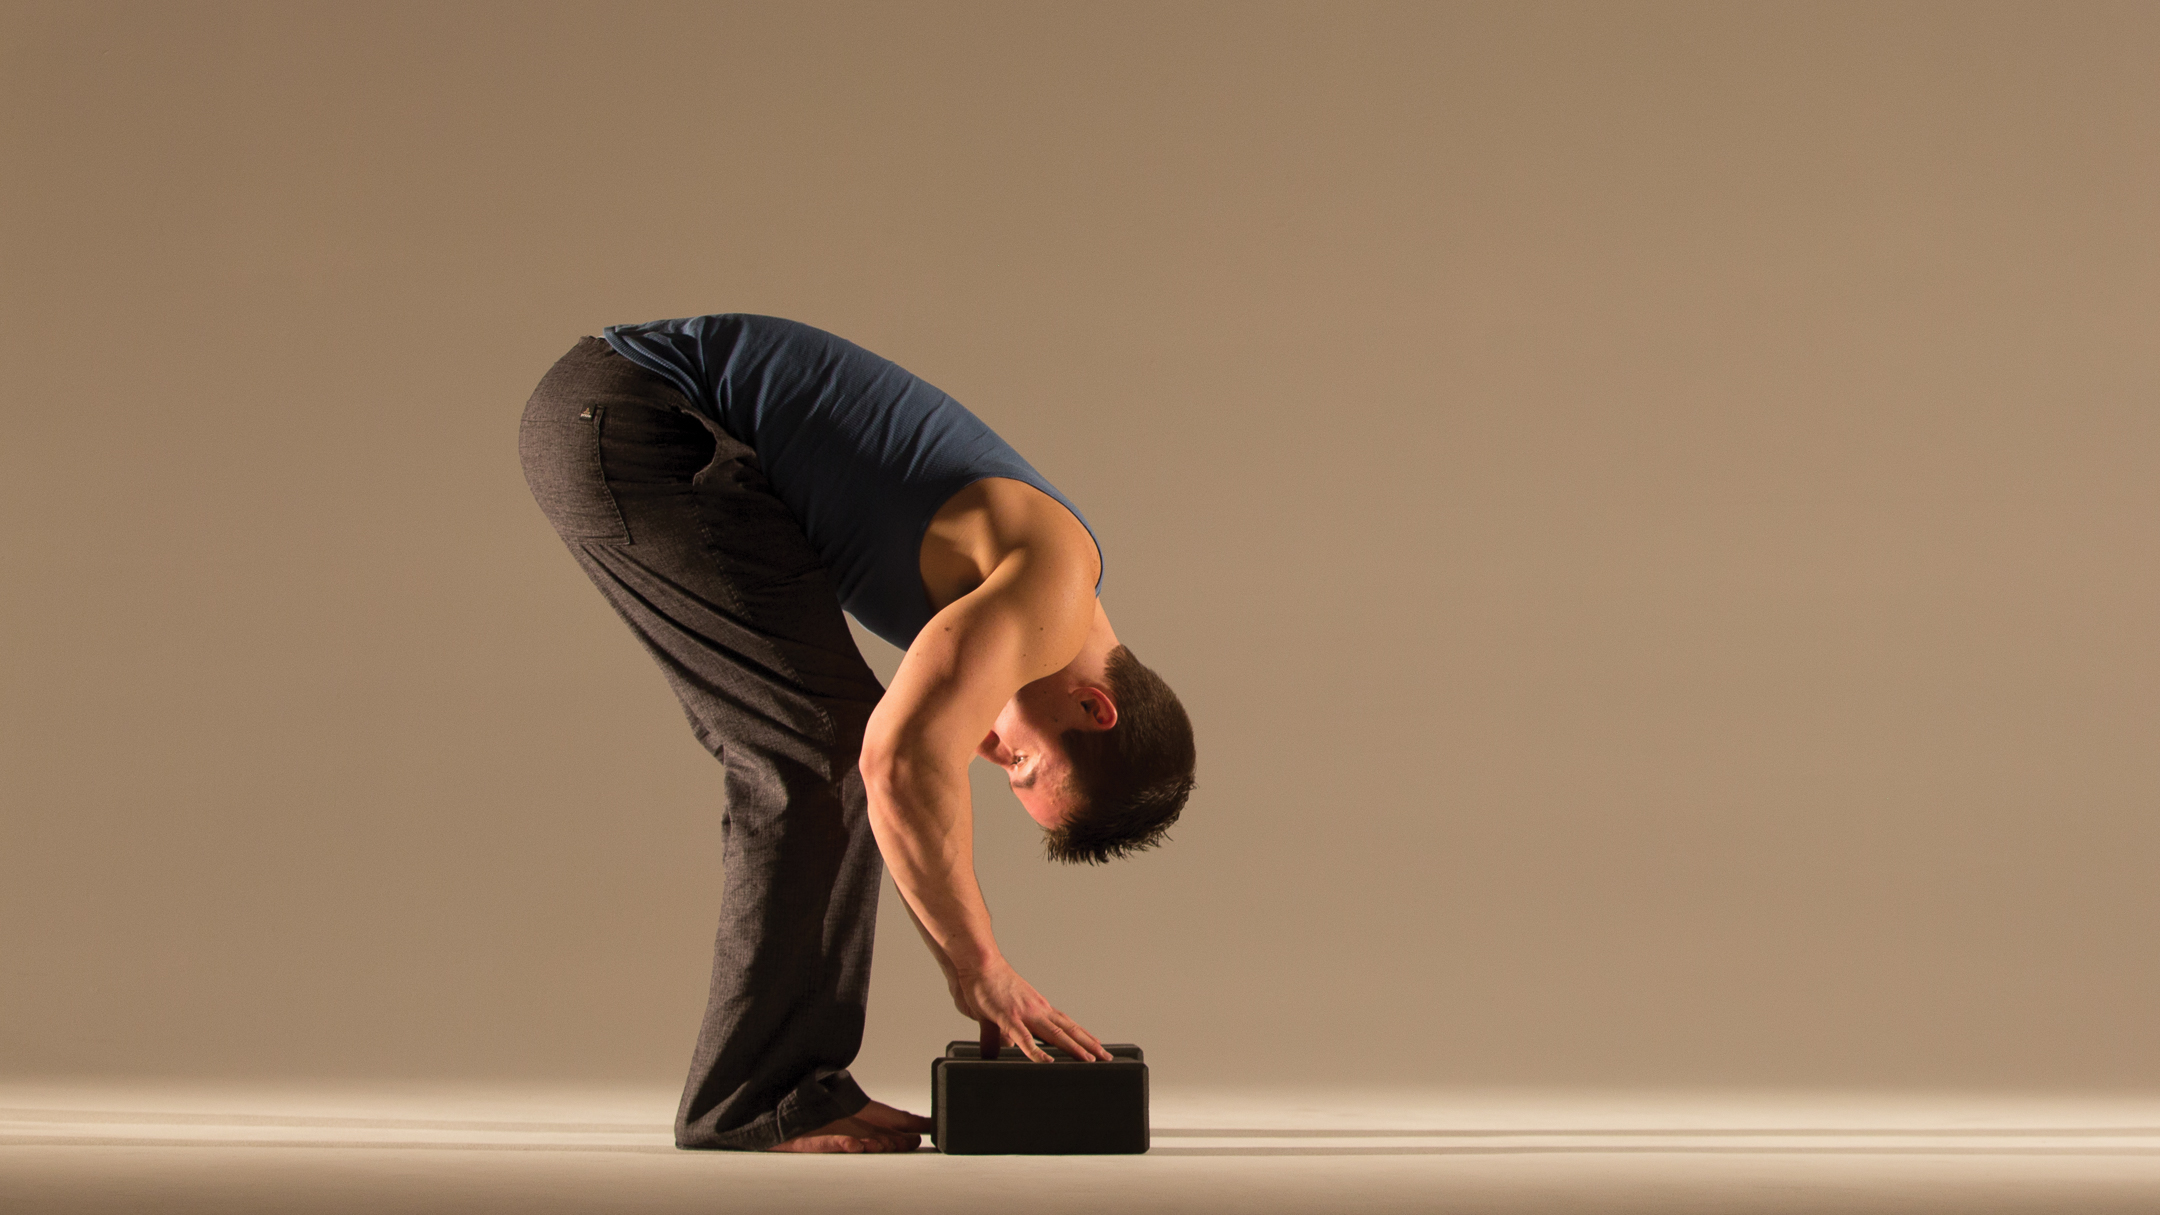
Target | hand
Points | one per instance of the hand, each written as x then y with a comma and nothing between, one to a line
997,994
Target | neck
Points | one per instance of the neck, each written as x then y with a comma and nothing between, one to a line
1089,666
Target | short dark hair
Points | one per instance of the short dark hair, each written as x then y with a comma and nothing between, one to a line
1131,780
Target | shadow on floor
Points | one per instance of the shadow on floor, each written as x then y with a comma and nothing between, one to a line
1608,1141
163,1118
1427,1132
1646,1149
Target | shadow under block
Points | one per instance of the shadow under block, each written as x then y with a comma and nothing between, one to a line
1011,1107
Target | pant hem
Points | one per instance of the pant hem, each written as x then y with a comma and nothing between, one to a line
813,1103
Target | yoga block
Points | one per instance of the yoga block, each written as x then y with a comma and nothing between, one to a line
1009,1106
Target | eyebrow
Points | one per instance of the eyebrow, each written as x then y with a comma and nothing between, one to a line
1026,782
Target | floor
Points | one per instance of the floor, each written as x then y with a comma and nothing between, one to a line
231,1150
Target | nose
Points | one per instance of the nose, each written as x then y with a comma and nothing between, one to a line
992,748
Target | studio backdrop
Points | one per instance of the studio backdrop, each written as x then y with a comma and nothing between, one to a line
1651,507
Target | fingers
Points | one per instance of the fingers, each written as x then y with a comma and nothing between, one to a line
1055,1035
1022,1036
1005,1006
1068,1037
1084,1038
1061,1037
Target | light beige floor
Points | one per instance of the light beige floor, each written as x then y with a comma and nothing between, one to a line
177,1148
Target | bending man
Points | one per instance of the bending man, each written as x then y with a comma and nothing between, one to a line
731,484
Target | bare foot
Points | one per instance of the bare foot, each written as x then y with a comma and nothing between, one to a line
879,1114
877,1128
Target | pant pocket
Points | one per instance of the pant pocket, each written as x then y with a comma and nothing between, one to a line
562,462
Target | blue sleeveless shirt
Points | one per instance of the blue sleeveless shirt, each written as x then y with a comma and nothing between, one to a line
862,452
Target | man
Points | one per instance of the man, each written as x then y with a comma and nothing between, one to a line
731,483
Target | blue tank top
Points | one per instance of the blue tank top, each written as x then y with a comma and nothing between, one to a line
862,452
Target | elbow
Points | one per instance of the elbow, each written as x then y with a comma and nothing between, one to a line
882,767
901,783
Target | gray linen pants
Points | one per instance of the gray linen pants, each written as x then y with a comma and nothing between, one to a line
673,520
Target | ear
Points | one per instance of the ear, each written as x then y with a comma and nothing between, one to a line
1096,703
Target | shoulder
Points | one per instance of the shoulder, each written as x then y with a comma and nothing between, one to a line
996,520
1027,619
1034,517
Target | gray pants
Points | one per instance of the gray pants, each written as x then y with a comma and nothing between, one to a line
674,521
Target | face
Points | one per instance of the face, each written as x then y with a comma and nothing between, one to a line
1024,742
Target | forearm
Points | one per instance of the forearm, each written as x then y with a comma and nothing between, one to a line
929,942
924,828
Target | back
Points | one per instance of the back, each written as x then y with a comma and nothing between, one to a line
862,452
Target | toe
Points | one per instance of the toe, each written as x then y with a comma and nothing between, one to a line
820,1143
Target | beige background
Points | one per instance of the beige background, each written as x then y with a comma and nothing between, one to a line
1652,508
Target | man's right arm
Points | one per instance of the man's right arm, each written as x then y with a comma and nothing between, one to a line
969,660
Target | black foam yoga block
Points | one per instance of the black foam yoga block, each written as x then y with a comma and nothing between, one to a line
1009,1106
